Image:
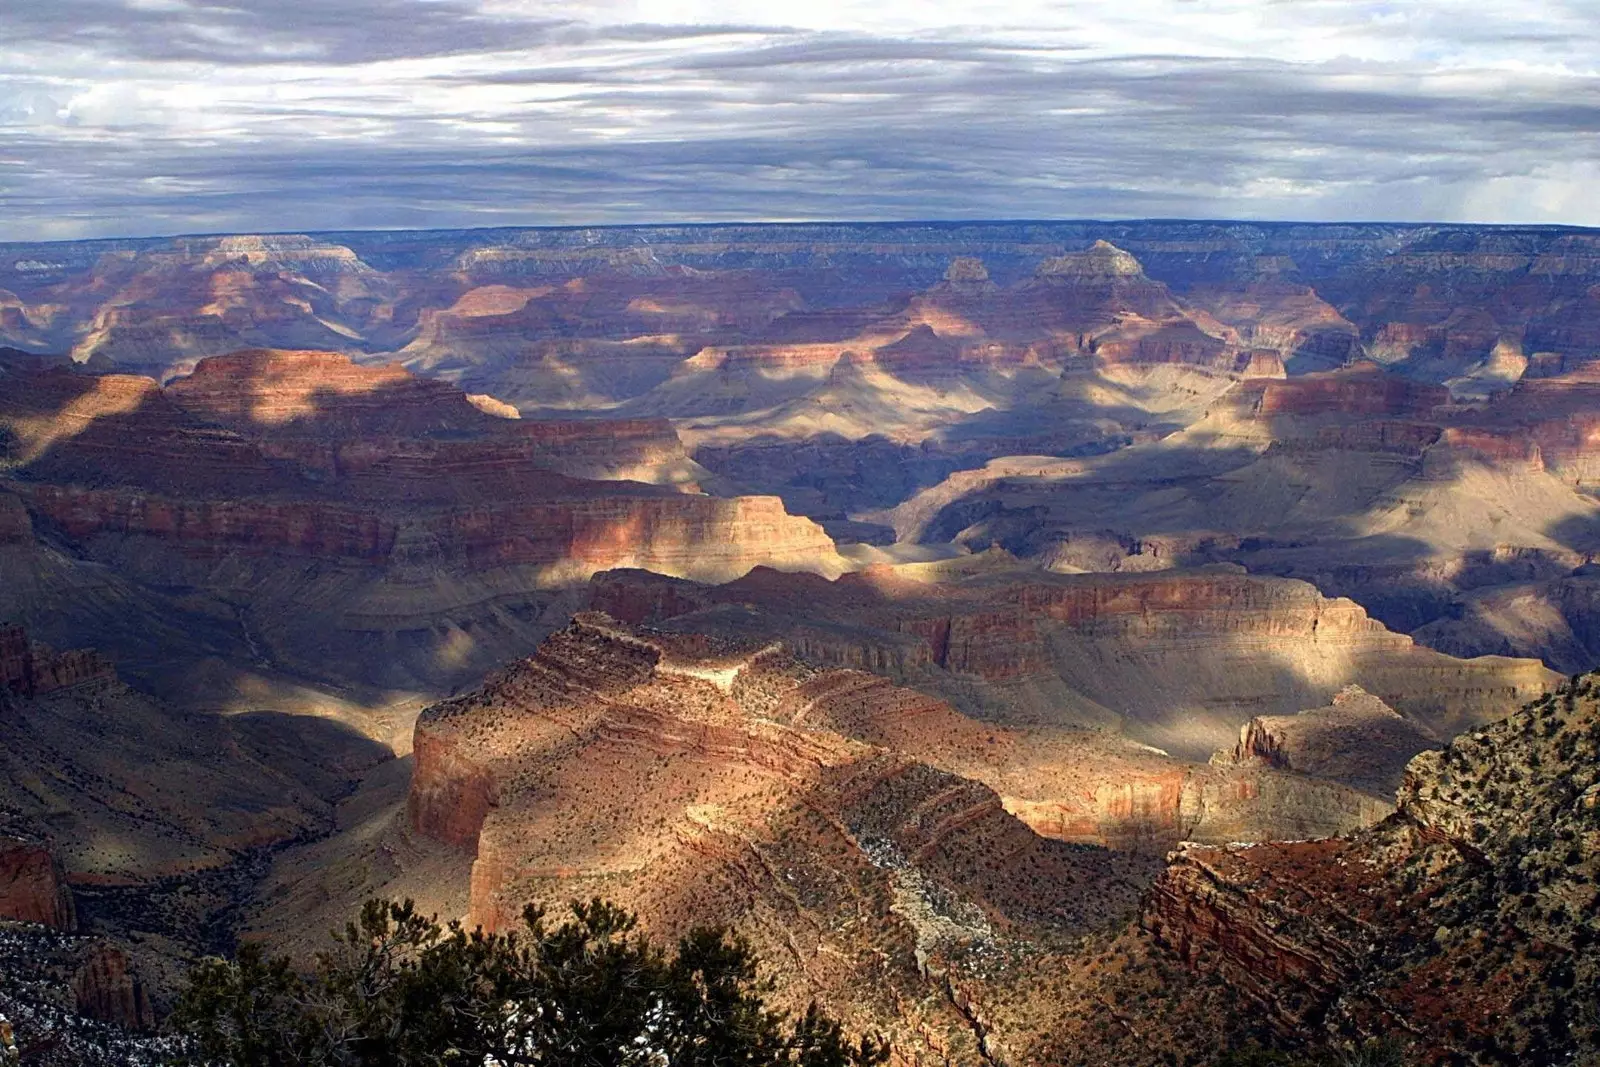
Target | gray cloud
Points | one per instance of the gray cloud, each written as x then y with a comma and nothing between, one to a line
213,118
274,31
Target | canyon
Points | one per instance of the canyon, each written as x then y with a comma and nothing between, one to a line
999,624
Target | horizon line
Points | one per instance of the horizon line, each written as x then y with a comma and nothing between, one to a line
797,223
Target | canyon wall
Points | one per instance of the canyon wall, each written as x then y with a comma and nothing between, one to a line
1179,659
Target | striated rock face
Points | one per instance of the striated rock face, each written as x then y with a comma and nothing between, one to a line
848,825
755,790
105,988
33,887
824,813
1468,920
368,525
313,466
568,535
322,394
1360,391
1178,659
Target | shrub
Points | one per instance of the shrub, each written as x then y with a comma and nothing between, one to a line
398,990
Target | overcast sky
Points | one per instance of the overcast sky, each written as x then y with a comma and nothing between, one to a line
134,117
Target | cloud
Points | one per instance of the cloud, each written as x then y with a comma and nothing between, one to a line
146,116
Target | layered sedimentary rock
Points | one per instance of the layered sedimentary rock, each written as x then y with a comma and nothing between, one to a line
159,309
1364,483
1467,921
1178,659
840,858
437,528
847,369
28,668
319,393
751,784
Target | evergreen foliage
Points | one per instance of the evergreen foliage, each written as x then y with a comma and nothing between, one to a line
399,990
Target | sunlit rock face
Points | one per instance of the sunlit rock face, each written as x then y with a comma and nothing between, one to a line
740,753
840,859
849,369
951,575
1178,659
363,522
849,826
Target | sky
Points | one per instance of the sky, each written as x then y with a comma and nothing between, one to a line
142,117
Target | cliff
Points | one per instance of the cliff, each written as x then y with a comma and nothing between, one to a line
33,886
28,668
106,988
1179,659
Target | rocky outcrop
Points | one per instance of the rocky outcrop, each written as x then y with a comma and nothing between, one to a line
755,790
568,535
106,988
1358,740
33,887
28,668
1466,921
319,394
308,463
1362,391
1172,656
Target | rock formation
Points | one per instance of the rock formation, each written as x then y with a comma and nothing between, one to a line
840,858
1107,488
1177,659
105,988
432,523
33,887
852,370
1358,740
28,668
1466,921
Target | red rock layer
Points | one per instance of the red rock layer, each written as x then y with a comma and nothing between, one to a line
697,777
1363,390
106,988
33,887
304,468
321,393
1001,630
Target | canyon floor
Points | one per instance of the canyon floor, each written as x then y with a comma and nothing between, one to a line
1021,632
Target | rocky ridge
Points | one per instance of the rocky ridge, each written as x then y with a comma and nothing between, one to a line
1465,922
757,782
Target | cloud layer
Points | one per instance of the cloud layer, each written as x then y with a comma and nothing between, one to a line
127,117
